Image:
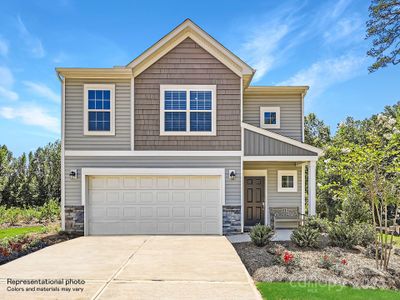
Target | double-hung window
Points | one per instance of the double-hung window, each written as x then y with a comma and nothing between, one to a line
270,117
187,110
99,102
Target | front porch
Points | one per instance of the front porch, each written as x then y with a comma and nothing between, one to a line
274,180
274,192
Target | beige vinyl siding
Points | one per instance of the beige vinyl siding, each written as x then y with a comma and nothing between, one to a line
290,112
74,99
187,64
275,198
256,144
73,186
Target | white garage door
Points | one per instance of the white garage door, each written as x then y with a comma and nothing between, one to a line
154,205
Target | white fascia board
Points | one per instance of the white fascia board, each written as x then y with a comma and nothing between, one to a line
199,36
281,158
117,153
282,138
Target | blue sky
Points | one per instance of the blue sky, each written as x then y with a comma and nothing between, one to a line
316,43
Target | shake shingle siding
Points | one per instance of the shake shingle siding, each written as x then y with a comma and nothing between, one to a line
188,64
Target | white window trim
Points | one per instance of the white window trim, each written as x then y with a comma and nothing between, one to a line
287,173
275,109
88,87
187,89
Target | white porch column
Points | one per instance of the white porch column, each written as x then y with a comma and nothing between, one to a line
312,166
303,188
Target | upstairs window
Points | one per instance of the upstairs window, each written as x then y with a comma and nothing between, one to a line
270,117
287,181
99,109
187,110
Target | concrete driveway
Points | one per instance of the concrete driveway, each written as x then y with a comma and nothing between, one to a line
131,267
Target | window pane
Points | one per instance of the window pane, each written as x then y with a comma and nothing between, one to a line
175,100
200,121
92,126
175,121
99,104
99,95
92,104
106,95
91,95
106,104
99,121
287,181
200,100
270,118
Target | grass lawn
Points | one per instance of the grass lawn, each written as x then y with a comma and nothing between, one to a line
316,291
14,231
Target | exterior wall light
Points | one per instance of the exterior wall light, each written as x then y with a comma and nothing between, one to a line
232,174
73,174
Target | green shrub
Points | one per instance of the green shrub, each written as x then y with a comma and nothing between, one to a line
320,224
306,236
355,208
261,235
342,235
365,234
50,211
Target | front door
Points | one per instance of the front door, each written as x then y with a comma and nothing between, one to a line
254,198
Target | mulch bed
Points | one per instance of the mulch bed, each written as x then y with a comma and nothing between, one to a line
360,271
32,243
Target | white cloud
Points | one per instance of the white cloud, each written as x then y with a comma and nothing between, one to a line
345,30
262,47
42,90
31,115
6,82
339,8
323,74
8,94
269,39
6,76
3,47
33,43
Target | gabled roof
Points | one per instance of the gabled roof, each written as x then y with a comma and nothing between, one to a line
189,29
282,138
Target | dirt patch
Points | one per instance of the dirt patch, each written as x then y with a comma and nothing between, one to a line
359,270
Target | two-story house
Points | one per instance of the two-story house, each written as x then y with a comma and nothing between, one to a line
179,142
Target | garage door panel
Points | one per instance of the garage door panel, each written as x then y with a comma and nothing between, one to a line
146,182
145,197
112,197
163,196
154,205
129,182
113,183
163,212
97,197
128,212
195,211
129,197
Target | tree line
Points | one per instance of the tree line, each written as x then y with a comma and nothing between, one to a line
358,175
30,179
